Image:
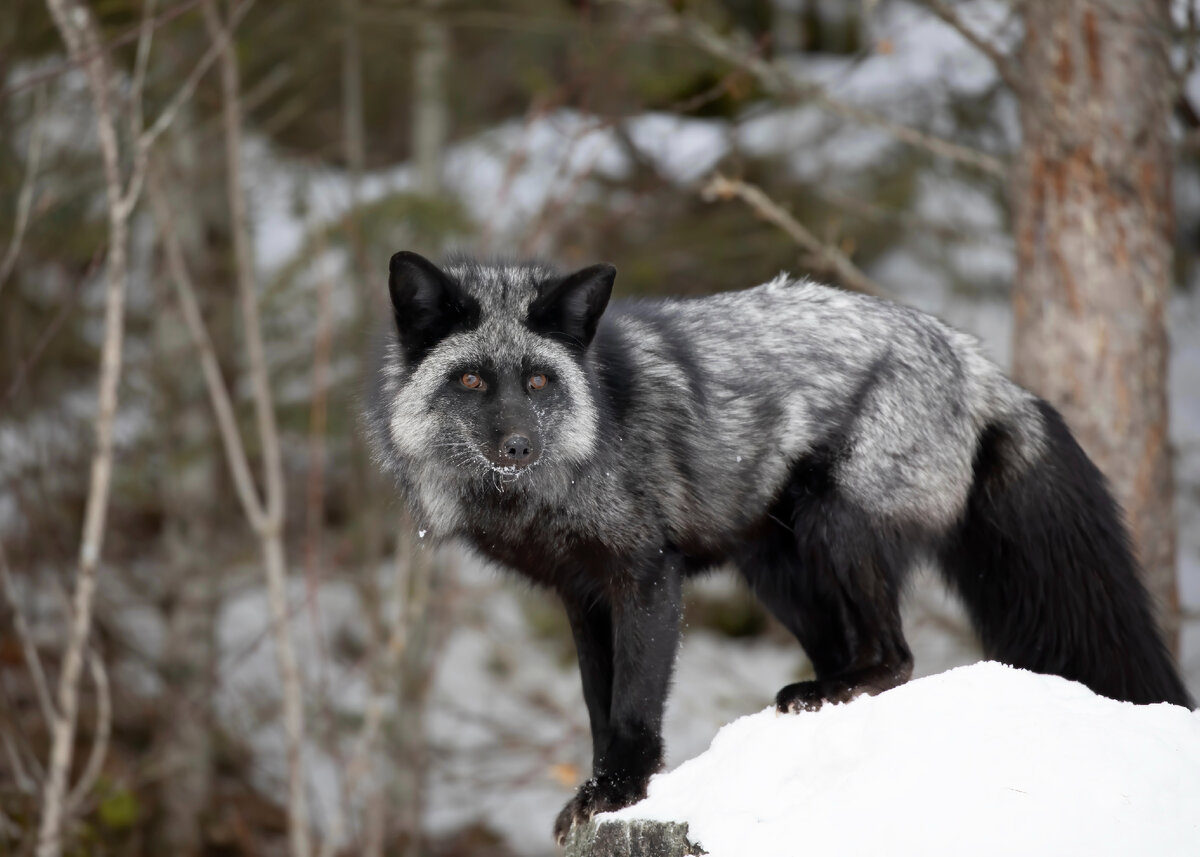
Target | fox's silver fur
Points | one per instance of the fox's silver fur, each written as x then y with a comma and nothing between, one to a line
820,441
784,359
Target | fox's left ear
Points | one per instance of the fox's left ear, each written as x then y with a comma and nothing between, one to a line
428,305
571,308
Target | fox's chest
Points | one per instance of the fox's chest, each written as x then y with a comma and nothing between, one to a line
540,536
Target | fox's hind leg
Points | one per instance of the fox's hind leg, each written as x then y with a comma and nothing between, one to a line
833,577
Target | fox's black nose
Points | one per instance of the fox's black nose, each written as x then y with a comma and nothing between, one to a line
517,449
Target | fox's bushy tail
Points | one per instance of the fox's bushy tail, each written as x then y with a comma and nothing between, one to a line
1044,563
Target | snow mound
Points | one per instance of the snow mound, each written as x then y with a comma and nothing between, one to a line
979,760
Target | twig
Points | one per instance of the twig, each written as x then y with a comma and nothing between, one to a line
210,367
25,197
720,188
239,467
139,67
1001,61
783,84
908,220
144,139
25,781
91,771
100,50
269,518
516,159
30,360
244,263
78,29
478,19
147,138
32,660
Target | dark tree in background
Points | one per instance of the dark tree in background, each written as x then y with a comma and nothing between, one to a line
1093,228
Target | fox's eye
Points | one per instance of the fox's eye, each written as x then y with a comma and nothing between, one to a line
537,382
472,381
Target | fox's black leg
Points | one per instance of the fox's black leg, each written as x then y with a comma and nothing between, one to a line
832,575
592,627
645,612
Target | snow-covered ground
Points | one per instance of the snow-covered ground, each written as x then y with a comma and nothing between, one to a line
981,760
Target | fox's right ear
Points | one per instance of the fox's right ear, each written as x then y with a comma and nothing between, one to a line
570,308
427,304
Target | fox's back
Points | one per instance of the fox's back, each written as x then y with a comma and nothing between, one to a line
733,390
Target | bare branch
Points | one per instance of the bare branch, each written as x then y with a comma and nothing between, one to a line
95,762
25,197
244,262
783,84
32,661
850,274
218,392
937,145
31,359
26,781
147,139
271,530
268,529
1001,61
139,67
78,29
74,62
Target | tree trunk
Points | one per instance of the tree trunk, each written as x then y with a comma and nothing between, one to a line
1092,218
430,119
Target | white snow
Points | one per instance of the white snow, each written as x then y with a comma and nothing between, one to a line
980,760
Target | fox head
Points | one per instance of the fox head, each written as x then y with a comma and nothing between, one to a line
487,372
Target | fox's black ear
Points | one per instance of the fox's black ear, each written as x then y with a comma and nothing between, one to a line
571,308
427,304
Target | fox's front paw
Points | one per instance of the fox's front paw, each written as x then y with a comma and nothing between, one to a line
599,794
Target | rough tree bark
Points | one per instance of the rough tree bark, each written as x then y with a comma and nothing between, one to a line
1092,218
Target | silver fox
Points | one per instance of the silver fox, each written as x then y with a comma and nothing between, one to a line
821,442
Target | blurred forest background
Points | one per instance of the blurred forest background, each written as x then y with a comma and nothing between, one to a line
217,634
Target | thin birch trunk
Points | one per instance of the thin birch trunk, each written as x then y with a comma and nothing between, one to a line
78,30
268,516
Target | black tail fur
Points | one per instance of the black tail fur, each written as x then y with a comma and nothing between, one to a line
1045,566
